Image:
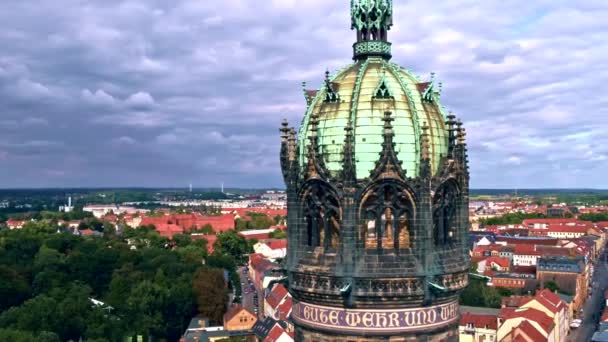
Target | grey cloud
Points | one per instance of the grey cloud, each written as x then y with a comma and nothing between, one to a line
160,93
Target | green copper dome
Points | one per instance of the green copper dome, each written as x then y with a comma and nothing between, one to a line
360,94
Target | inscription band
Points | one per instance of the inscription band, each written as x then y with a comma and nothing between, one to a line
375,321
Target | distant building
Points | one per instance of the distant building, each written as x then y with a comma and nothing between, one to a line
570,275
199,331
101,210
271,249
494,263
67,208
477,327
15,224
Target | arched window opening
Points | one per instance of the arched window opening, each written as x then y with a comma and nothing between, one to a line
386,219
444,213
322,213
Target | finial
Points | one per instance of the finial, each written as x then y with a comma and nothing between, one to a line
292,145
284,130
463,136
327,75
425,141
461,132
432,76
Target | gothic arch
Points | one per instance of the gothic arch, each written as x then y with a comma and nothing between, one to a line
386,216
445,213
322,215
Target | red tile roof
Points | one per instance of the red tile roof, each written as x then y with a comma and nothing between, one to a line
502,262
235,310
168,230
530,331
551,221
550,300
274,334
284,309
514,302
275,296
568,229
527,241
86,232
525,249
257,236
604,316
479,321
219,223
543,320
277,244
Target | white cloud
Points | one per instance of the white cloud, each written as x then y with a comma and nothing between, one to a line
100,97
140,100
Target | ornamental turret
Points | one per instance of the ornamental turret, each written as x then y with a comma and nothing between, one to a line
377,187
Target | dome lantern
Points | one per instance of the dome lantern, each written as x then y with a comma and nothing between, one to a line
372,19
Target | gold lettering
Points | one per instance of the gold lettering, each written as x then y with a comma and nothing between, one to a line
323,316
432,317
381,320
352,319
307,313
420,317
368,320
314,314
452,310
333,317
394,320
409,318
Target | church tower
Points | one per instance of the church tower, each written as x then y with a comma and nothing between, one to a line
377,185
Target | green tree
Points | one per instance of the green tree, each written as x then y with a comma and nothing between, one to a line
14,288
277,219
232,243
182,240
206,229
211,293
26,336
511,218
551,285
594,217
278,234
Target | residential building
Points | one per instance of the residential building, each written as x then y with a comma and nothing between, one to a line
570,275
271,249
512,319
238,318
278,303
477,327
494,263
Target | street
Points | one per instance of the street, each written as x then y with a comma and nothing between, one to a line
248,299
593,307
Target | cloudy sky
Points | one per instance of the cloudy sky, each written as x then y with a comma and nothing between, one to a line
162,93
